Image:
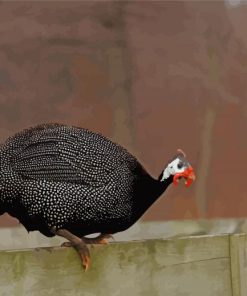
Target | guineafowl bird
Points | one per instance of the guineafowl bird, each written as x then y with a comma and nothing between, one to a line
71,182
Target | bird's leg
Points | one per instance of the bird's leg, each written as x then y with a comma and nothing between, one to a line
101,239
78,244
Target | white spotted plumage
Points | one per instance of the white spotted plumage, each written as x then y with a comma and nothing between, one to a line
66,177
55,175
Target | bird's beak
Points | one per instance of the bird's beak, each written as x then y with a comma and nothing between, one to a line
188,175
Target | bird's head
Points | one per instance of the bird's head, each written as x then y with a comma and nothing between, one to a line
179,167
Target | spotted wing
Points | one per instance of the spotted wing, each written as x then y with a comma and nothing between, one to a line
66,154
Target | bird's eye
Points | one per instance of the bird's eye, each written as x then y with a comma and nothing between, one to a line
180,165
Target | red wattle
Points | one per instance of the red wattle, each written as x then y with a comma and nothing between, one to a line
188,174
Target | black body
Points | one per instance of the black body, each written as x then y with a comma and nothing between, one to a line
68,177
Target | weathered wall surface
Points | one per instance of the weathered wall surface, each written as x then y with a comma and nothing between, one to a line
153,76
190,266
182,267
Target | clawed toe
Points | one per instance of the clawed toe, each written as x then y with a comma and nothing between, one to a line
78,244
86,262
84,253
102,239
82,250
110,236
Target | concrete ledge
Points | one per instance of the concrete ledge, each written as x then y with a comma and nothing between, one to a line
193,266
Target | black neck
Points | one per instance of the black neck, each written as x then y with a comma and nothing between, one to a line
148,191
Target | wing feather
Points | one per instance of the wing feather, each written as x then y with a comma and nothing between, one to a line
66,154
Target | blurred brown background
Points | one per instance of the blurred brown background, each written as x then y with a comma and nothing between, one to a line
154,76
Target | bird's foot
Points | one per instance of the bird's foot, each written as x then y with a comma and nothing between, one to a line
101,239
84,253
78,244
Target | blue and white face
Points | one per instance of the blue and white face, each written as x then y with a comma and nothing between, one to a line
179,167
